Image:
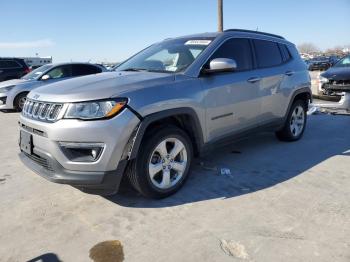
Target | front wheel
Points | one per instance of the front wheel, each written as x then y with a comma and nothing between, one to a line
295,124
20,101
163,163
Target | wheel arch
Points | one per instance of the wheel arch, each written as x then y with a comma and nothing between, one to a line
184,117
17,96
301,93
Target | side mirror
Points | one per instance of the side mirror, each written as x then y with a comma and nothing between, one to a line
221,65
45,77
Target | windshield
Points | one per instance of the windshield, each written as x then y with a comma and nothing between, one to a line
35,74
345,62
169,56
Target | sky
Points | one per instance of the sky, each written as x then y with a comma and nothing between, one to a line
113,30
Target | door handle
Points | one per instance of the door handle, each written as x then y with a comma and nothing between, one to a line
289,73
254,79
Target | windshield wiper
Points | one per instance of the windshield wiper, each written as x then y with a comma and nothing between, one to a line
134,69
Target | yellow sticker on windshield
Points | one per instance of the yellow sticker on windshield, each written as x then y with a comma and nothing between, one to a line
198,42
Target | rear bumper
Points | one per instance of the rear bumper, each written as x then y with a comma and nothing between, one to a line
93,182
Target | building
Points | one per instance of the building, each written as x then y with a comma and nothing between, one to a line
37,61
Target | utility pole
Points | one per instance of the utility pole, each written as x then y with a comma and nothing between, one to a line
220,16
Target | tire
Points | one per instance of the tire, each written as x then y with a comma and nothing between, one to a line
156,173
19,101
295,124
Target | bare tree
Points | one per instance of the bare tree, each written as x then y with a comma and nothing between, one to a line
308,48
220,16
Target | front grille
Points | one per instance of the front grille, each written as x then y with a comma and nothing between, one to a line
40,161
42,111
339,82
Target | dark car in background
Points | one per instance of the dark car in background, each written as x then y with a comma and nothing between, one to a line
319,63
337,78
12,68
334,59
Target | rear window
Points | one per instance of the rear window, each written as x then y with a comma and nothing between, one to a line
267,53
285,52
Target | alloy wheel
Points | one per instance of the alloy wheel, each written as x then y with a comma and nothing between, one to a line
297,121
21,102
167,163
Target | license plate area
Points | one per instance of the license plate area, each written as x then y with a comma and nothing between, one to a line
26,142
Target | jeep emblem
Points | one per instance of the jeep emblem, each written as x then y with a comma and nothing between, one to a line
36,96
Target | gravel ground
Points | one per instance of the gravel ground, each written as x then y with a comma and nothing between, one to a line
281,202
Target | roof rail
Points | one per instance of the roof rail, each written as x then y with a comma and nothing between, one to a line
254,32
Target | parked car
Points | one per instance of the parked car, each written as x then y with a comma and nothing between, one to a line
13,92
12,68
319,63
174,100
34,67
333,59
337,78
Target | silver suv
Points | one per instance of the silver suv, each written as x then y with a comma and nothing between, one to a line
173,101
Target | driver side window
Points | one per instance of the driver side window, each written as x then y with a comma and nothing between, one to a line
60,72
238,49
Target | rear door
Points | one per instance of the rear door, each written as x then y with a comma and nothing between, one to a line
270,71
231,98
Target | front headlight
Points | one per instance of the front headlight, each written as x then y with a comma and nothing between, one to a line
323,79
6,88
95,109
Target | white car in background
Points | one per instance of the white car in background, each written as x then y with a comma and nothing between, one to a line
13,93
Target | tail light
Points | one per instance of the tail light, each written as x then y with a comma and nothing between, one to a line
27,70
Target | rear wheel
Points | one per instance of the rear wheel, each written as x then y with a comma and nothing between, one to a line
20,101
162,164
295,124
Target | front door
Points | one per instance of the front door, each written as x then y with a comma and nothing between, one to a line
232,98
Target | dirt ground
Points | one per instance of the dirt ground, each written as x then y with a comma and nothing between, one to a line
281,202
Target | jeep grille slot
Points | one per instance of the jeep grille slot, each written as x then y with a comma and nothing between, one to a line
42,111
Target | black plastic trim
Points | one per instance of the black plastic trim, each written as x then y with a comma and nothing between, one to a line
198,135
103,180
236,136
299,91
221,116
254,32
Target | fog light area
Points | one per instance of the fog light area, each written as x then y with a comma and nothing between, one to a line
82,152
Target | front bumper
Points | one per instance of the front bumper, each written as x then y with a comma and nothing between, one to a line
49,160
3,101
46,166
336,88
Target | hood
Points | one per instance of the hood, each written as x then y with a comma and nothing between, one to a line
100,86
12,82
337,73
